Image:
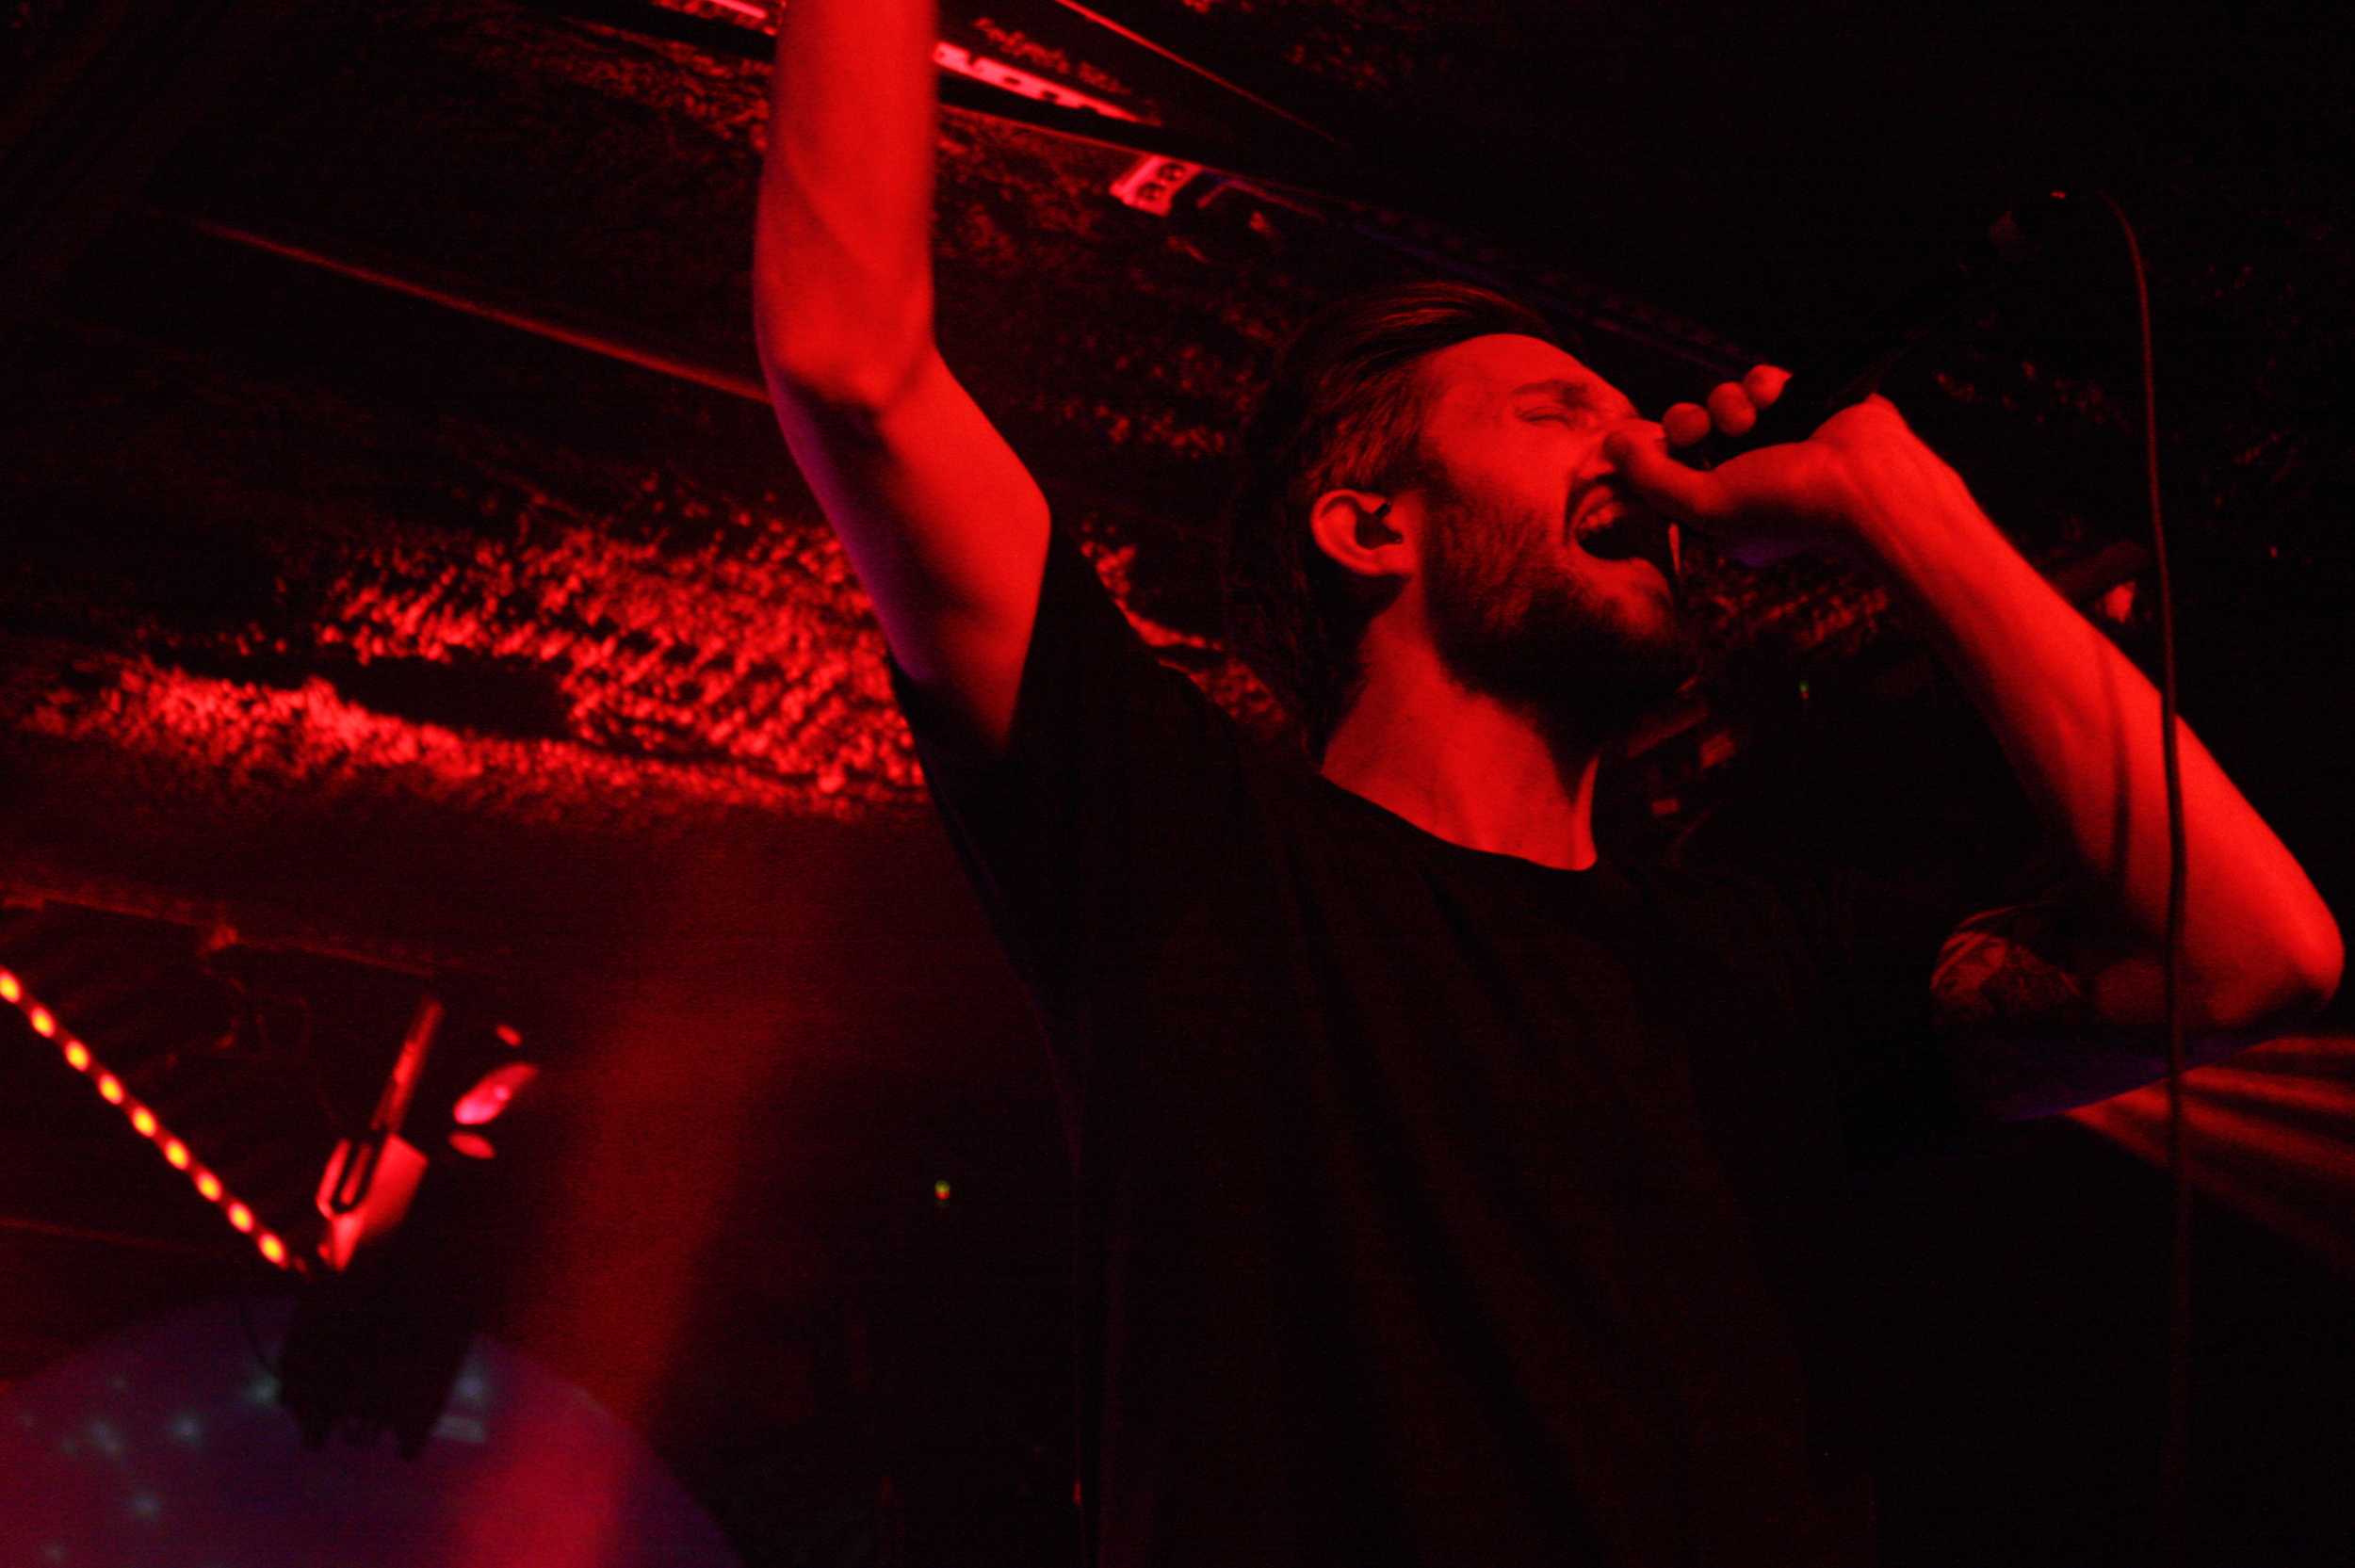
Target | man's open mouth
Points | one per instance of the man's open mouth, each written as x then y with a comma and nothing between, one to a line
1610,529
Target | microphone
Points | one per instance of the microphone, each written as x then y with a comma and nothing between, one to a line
1849,369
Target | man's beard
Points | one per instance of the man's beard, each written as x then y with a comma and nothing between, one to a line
1509,623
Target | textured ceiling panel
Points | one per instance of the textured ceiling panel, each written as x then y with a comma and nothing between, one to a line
363,548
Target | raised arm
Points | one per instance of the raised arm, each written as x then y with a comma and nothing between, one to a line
947,529
2079,722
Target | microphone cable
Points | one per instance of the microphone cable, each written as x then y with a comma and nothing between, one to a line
1849,370
2175,1456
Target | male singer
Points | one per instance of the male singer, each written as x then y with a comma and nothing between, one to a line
1449,1194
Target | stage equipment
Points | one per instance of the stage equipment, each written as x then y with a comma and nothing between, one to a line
180,1051
371,1180
216,1056
377,1340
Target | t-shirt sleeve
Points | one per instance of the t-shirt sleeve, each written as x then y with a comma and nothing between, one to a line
1120,787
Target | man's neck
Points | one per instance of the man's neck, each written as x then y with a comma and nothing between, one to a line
1466,768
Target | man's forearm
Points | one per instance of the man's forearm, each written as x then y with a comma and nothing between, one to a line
2081,726
947,529
841,264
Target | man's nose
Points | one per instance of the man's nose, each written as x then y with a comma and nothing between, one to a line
1632,426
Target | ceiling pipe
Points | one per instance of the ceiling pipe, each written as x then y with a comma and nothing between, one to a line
605,344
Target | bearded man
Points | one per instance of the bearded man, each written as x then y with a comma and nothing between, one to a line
1448,1193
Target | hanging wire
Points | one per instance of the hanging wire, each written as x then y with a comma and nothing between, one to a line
2175,1459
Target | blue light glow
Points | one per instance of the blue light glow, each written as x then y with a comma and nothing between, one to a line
166,1433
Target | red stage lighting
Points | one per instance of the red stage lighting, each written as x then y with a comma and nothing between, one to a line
491,1095
2269,1135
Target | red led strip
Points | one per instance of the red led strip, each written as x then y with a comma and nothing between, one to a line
143,1121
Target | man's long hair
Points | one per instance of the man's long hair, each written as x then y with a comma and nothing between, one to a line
1343,407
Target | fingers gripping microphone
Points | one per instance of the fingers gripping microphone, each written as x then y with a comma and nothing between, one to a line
1849,369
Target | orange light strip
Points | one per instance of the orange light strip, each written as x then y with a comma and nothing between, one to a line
79,1057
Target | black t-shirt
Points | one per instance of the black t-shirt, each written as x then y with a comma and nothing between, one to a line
1435,1206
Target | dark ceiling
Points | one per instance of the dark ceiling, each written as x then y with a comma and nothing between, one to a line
405,574
299,241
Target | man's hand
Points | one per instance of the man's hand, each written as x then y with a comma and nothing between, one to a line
1864,468
2079,722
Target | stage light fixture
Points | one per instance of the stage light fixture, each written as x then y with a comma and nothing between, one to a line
378,1340
492,1094
371,1181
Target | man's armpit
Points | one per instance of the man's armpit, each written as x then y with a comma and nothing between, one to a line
1998,973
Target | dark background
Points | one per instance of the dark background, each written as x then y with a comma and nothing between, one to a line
406,588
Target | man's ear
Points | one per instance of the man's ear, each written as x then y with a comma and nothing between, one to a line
1360,530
